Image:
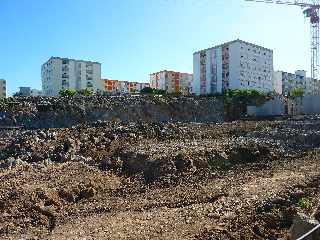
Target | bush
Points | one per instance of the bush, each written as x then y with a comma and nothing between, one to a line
305,203
237,100
297,92
85,92
149,90
71,92
67,92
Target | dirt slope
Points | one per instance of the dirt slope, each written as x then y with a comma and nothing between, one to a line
240,180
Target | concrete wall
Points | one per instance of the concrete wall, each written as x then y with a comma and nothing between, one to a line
310,104
273,107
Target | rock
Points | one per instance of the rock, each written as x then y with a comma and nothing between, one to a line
301,225
11,163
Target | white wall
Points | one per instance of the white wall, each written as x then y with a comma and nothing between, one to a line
234,65
277,82
196,73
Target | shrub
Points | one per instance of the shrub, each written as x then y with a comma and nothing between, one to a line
305,203
149,90
85,92
67,92
297,92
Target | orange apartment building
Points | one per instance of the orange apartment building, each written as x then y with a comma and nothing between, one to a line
124,87
172,82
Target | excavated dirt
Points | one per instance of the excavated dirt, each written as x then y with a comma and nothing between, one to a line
115,180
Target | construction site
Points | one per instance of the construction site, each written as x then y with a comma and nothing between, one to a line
230,152
95,176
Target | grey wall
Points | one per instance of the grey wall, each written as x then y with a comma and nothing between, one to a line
273,107
311,104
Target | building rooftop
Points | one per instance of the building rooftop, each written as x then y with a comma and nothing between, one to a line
171,71
123,81
234,41
71,59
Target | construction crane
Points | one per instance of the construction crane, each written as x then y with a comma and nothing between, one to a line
311,11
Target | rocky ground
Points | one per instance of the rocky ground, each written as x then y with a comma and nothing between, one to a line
114,180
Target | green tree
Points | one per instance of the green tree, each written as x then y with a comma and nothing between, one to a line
297,92
67,92
85,92
237,100
149,90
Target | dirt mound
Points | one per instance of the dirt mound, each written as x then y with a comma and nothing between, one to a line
240,180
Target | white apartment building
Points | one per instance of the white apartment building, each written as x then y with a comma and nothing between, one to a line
284,82
63,73
236,65
171,81
3,88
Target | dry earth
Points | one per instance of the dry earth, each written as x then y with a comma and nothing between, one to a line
239,180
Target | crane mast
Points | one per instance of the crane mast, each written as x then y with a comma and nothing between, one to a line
311,11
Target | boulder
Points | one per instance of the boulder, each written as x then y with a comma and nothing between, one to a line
303,224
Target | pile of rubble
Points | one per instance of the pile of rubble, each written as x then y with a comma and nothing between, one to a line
47,112
239,180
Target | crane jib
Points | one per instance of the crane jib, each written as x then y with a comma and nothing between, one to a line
311,10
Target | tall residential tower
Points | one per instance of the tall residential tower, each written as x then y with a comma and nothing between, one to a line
3,88
235,65
63,73
172,82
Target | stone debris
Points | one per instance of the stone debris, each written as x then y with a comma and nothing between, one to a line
303,224
153,179
45,112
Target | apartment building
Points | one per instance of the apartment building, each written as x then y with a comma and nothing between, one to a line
236,65
3,88
172,82
64,73
28,91
284,82
123,87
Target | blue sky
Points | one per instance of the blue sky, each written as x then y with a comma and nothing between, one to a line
132,38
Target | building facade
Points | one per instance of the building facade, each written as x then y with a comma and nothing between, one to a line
63,73
172,82
3,88
123,87
24,91
28,91
285,82
235,65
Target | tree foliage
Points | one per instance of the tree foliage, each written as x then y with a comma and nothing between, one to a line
149,90
245,97
85,92
297,92
237,100
67,92
71,92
